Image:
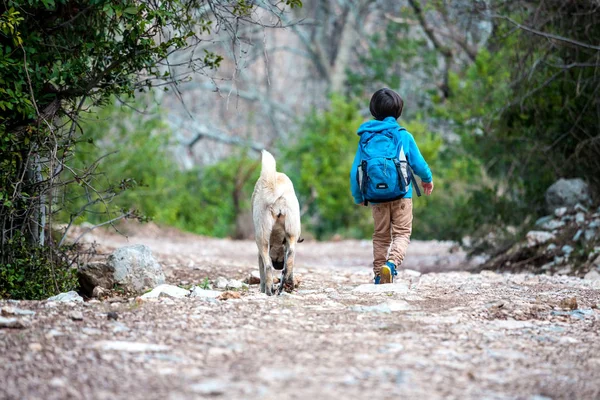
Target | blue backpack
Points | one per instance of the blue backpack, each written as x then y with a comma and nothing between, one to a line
383,173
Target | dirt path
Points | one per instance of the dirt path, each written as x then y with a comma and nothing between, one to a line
446,335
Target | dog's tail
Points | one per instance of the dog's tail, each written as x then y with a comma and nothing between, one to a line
268,170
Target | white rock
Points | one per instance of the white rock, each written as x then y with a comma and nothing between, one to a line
130,347
387,288
13,323
166,290
221,283
16,311
566,249
235,284
535,238
135,268
398,305
202,293
579,218
567,193
76,315
67,297
592,276
559,212
378,308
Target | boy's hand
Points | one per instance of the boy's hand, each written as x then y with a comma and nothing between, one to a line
428,188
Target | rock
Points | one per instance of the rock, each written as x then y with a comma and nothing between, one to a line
592,276
68,297
35,346
13,323
235,284
567,193
253,279
135,269
535,238
378,308
551,247
543,220
202,293
371,288
76,315
552,225
577,235
130,347
229,295
589,235
112,315
166,290
398,305
580,218
566,249
579,207
569,303
559,212
221,283
16,311
100,292
95,274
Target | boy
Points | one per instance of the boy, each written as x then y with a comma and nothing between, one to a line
380,175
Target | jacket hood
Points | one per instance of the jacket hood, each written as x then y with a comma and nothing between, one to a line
375,125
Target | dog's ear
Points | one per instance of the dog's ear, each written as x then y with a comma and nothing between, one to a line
300,240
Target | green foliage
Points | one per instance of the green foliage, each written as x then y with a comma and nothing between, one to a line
34,273
140,156
319,165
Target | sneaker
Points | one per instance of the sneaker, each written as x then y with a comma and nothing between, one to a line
377,279
388,271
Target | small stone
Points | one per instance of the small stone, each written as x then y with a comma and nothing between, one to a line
569,303
253,279
235,284
577,235
559,212
589,235
221,283
388,288
35,347
76,316
130,347
202,293
100,292
68,297
535,238
13,323
592,276
566,249
580,218
229,295
551,247
165,290
579,207
543,220
112,315
378,308
16,311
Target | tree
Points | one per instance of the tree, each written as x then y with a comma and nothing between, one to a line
59,58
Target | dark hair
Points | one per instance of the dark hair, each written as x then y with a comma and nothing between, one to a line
386,103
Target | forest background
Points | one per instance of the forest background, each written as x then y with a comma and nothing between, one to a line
115,110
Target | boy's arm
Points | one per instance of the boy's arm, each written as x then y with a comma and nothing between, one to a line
417,162
354,187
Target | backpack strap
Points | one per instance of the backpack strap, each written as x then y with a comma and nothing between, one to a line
409,172
363,182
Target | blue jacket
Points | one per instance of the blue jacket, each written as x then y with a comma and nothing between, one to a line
413,155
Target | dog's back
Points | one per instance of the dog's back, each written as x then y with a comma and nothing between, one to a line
274,193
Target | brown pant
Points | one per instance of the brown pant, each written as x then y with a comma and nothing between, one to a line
393,226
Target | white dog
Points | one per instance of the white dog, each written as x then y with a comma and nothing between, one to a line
276,216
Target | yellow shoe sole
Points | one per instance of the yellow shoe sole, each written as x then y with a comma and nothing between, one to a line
386,275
